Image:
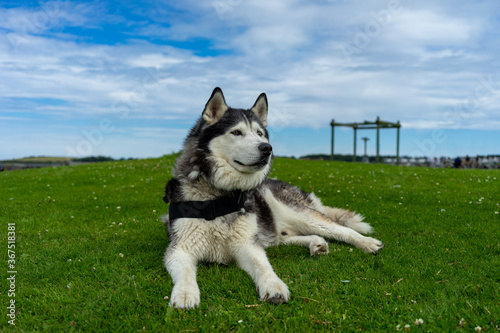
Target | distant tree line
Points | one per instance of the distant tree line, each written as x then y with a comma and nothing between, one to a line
63,160
47,161
100,159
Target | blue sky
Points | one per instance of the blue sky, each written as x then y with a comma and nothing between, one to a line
129,78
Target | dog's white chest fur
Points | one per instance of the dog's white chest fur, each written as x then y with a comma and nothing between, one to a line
215,241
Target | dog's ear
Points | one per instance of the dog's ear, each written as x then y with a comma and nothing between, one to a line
215,107
260,108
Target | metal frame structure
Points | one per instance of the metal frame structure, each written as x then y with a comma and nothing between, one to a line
377,125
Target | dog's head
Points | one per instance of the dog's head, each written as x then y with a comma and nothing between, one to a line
232,145
237,136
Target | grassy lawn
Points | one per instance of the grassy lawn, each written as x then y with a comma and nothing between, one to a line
89,251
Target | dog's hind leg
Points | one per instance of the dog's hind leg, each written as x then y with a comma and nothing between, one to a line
310,218
317,245
252,259
182,268
304,221
309,221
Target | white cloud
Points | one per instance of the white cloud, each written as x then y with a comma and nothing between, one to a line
427,60
428,28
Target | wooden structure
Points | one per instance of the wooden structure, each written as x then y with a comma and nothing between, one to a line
377,125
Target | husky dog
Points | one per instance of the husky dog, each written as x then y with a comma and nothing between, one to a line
224,208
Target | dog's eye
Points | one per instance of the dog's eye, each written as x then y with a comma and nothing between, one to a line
259,133
236,132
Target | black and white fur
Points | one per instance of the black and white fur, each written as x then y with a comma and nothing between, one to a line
227,150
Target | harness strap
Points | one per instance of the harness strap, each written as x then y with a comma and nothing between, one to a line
208,210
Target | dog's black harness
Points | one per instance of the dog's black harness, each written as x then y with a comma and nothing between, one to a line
208,210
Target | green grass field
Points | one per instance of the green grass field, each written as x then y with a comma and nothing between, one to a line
89,254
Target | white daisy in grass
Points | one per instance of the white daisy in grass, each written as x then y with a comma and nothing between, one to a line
419,321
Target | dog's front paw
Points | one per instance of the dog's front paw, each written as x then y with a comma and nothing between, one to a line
185,298
371,245
320,246
274,291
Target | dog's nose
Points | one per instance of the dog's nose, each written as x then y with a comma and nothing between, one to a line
266,148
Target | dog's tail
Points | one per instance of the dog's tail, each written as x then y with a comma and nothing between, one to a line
349,219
